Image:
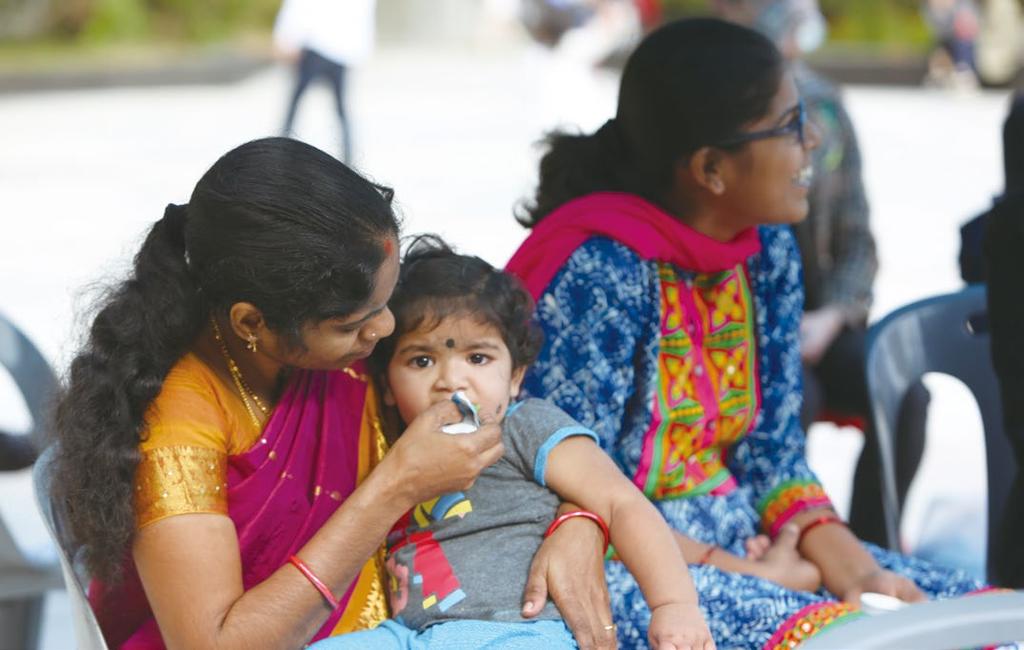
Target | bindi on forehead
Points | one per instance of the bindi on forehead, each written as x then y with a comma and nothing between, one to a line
449,343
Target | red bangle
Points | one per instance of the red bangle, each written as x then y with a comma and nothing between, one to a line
824,519
707,554
320,586
561,519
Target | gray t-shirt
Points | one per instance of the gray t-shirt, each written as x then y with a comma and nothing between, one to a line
466,555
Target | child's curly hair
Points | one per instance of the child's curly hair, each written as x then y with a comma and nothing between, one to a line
436,282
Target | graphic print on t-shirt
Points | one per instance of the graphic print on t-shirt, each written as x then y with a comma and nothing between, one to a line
430,567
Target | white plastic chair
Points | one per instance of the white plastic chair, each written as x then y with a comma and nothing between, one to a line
88,635
24,582
23,587
970,622
947,334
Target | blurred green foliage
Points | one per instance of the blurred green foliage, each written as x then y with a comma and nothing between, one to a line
889,23
114,20
886,24
99,21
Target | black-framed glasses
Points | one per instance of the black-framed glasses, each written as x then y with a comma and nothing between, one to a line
795,126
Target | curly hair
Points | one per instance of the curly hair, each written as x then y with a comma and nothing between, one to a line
689,84
274,222
436,282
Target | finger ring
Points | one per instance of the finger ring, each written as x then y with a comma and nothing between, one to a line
608,628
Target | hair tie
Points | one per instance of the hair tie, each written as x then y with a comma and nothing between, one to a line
173,223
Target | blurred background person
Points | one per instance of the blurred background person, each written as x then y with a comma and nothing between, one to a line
612,24
547,21
579,47
839,265
796,26
998,48
1004,241
651,13
955,24
324,39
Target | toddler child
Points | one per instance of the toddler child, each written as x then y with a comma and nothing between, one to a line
458,563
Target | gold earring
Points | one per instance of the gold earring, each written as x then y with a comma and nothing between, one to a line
251,345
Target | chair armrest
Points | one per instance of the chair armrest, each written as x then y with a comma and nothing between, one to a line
971,621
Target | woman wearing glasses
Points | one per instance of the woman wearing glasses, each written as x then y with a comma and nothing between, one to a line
668,287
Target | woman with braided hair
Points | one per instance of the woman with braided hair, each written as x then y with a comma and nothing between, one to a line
219,458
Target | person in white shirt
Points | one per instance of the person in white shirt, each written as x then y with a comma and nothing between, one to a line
325,38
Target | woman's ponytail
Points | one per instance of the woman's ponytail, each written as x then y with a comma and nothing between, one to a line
573,166
143,326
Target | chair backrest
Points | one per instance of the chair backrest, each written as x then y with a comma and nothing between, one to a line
24,582
947,334
30,371
24,585
88,635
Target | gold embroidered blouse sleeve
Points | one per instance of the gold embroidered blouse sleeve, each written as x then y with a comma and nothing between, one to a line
180,480
188,437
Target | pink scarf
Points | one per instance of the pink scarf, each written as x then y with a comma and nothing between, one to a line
311,439
643,227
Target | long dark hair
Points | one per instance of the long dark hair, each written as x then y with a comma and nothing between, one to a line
687,85
274,222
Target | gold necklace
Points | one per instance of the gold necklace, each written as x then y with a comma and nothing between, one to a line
247,394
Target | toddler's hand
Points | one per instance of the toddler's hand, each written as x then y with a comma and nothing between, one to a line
757,546
679,626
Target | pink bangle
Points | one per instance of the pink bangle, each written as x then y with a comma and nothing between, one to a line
316,582
561,519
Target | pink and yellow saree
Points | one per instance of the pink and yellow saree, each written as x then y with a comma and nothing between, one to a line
321,440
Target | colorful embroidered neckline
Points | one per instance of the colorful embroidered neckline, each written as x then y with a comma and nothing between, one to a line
708,394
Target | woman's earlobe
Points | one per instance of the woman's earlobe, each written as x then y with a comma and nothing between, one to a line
717,185
705,166
246,320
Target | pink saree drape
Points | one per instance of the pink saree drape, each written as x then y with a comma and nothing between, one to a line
280,492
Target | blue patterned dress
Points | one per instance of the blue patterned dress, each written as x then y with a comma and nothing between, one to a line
692,382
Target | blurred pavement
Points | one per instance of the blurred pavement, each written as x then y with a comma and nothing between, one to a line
84,173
